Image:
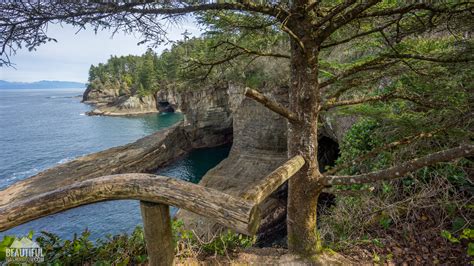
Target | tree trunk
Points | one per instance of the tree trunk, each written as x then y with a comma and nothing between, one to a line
303,190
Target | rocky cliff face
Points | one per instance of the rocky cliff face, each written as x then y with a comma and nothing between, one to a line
207,113
111,102
259,146
96,96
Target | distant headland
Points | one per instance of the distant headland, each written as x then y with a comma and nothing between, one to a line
43,84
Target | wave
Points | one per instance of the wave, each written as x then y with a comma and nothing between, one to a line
65,160
60,97
18,176
4,182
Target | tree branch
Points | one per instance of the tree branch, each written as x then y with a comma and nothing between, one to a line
333,104
274,106
353,83
253,52
404,168
365,33
213,64
234,52
236,5
431,59
28,21
416,6
343,18
376,151
338,9
417,100
369,65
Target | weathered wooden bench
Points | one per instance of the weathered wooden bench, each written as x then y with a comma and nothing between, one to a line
156,194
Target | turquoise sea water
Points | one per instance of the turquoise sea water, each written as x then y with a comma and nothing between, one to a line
42,128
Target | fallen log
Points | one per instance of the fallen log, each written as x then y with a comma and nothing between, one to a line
233,212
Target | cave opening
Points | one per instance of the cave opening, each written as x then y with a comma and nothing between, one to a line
165,107
328,152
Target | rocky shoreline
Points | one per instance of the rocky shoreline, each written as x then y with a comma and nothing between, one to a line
111,112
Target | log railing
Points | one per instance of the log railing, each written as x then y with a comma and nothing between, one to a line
156,194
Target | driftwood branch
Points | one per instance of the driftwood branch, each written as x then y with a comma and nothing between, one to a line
404,168
235,213
272,105
274,180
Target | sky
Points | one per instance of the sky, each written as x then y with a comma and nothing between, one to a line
71,57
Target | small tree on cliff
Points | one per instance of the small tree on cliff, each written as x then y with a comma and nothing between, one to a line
314,28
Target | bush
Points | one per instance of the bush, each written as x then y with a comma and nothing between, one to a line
387,215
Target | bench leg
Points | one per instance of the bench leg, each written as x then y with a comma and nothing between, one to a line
158,235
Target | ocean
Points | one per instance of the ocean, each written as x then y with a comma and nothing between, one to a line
43,128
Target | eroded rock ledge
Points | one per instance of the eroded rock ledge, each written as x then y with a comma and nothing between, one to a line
141,156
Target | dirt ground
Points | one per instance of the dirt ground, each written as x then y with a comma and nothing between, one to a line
265,256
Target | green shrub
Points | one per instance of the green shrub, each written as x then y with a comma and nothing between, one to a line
126,249
118,250
226,242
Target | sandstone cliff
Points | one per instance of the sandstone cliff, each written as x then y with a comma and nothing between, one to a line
259,146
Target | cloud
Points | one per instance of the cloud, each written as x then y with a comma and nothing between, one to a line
70,58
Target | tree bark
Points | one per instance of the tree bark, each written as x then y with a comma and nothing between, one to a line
304,100
158,234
